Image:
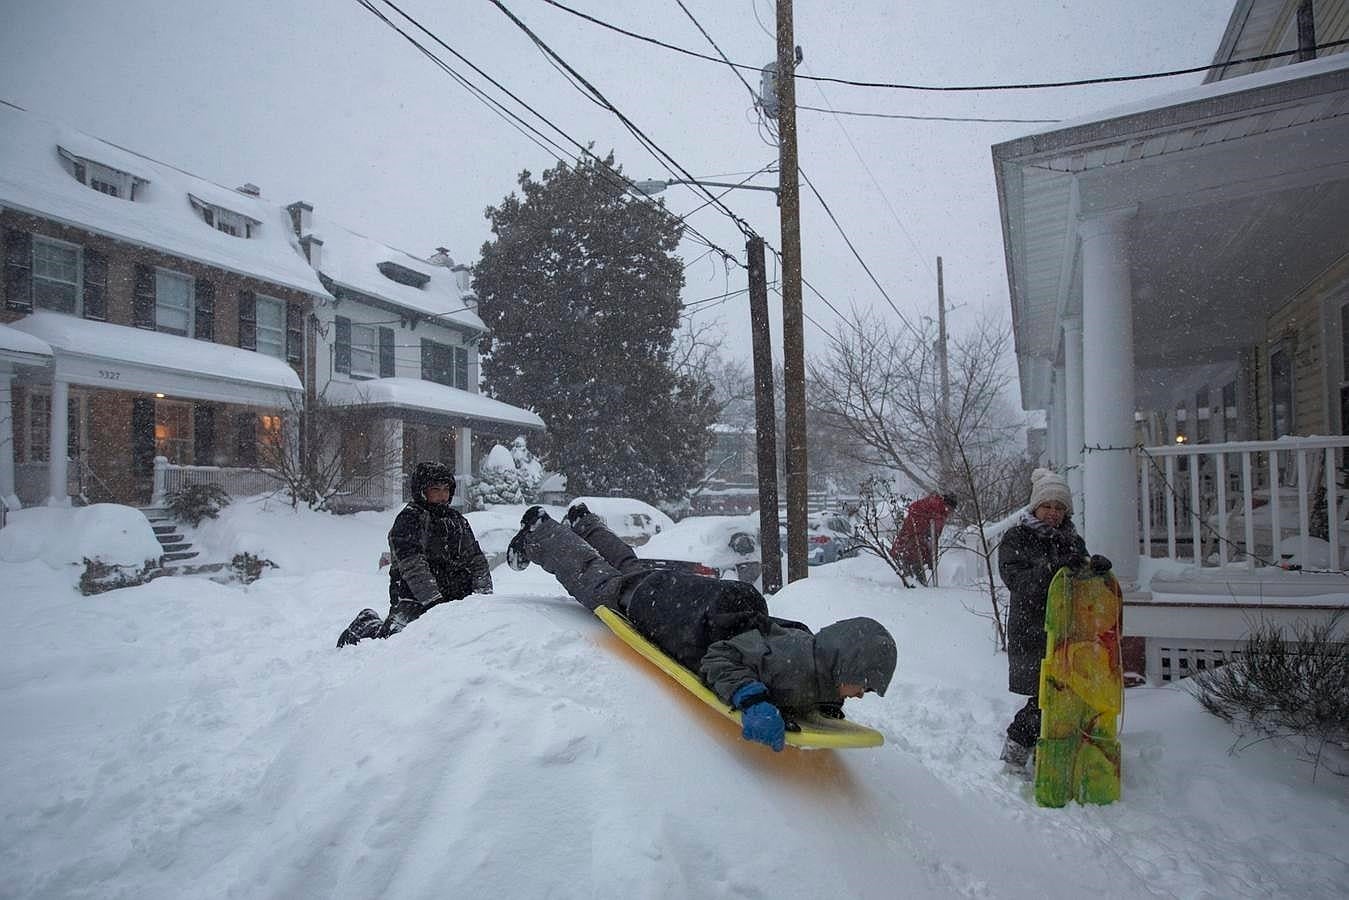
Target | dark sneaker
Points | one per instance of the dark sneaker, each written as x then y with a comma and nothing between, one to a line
1017,759
575,514
365,625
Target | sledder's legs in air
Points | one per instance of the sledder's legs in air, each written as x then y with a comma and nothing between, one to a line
586,557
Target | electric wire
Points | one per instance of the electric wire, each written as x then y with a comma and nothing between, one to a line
656,151
1027,86
917,118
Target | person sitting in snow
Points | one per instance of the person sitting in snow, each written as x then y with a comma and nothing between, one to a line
434,557
1032,551
758,664
913,548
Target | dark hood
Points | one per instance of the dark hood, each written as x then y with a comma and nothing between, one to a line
856,651
430,473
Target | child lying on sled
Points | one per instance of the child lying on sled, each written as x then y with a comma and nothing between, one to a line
720,629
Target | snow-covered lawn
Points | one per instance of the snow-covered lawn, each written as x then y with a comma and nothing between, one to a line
192,739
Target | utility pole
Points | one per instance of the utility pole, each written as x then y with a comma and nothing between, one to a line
793,328
1306,31
765,419
945,461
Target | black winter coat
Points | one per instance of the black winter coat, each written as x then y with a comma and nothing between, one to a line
432,549
1028,558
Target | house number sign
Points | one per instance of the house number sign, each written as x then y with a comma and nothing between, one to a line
110,374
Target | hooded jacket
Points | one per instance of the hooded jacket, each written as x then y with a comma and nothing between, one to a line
802,670
432,547
1030,554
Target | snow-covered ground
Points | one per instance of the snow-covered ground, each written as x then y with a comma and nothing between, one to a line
193,739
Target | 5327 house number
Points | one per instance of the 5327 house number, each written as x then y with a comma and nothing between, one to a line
110,374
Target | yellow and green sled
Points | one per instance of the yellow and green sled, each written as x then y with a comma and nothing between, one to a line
814,731
1081,692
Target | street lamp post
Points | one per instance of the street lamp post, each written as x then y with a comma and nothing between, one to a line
655,186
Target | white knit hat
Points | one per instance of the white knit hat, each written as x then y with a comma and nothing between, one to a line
1048,486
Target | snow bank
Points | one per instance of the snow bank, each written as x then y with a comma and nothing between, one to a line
61,537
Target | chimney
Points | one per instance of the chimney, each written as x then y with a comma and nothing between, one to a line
313,250
301,217
250,189
441,258
463,277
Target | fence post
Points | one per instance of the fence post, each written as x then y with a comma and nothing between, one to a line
161,481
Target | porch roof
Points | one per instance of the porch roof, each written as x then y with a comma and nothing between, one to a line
120,358
1241,196
416,395
23,349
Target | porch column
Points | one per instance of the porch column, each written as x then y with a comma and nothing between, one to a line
463,460
58,494
1110,477
9,422
1072,416
1059,433
393,463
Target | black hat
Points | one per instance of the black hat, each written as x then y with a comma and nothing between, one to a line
429,473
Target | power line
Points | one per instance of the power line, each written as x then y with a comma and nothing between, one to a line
651,146
1105,79
723,56
603,168
871,115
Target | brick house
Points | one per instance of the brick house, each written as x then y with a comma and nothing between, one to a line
174,310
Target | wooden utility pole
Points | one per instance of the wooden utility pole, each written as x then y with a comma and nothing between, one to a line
765,419
1306,31
793,328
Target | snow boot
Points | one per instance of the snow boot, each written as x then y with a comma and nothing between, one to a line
365,625
1017,759
516,557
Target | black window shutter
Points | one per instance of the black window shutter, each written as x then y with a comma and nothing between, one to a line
294,332
386,369
95,284
18,269
248,320
203,311
461,368
428,360
203,434
246,439
342,344
142,436
143,303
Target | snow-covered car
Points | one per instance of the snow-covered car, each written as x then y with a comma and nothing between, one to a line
727,546
632,520
829,538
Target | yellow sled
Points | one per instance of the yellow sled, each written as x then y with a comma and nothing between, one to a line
816,731
1081,692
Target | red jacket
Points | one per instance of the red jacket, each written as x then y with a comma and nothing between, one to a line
913,542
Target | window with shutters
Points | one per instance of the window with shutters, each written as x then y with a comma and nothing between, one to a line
175,298
437,363
224,220
57,268
173,431
270,320
364,350
101,178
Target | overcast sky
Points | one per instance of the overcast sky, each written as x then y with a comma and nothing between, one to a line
318,100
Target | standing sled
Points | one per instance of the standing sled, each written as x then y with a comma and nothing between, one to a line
1081,691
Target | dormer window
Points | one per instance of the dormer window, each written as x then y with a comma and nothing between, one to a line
403,275
102,178
226,220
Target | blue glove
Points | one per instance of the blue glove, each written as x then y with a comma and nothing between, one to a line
763,723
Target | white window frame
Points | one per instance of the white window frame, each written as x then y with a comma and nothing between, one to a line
260,328
1286,348
120,182
41,240
364,350
163,276
185,443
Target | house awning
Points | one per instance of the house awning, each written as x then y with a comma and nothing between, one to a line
427,397
120,358
18,348
1240,195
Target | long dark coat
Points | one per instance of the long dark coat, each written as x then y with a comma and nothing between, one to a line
1027,560
433,549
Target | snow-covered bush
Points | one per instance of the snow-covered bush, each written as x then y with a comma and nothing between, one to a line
529,467
499,481
196,502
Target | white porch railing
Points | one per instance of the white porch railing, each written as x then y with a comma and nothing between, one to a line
1216,501
237,482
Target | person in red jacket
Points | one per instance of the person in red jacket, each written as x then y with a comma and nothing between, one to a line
913,548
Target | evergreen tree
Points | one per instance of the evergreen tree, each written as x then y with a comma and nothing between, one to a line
580,291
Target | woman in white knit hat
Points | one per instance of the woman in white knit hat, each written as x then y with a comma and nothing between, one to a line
1032,551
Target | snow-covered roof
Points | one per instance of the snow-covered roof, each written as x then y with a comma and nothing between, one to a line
352,260
415,394
34,179
155,350
18,343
